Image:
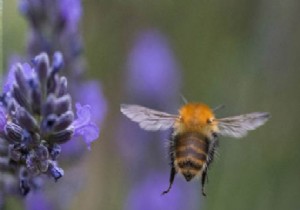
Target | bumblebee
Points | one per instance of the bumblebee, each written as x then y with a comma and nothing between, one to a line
195,135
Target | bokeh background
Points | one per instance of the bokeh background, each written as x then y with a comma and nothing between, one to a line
244,54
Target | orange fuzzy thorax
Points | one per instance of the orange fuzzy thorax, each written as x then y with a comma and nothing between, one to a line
195,117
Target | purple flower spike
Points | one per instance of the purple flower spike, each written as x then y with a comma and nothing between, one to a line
153,70
71,12
146,194
83,126
2,118
41,120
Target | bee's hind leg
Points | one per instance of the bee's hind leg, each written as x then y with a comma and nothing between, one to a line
204,179
172,176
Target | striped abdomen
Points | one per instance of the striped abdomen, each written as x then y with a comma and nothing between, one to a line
190,154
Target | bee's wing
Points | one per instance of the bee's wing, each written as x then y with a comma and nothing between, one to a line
238,126
148,119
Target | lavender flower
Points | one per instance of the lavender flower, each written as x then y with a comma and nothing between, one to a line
54,27
40,119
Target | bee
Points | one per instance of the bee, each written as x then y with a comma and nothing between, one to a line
195,135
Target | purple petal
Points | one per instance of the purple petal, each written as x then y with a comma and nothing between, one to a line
90,132
83,114
83,126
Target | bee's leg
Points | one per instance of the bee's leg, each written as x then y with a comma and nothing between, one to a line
204,179
211,153
172,176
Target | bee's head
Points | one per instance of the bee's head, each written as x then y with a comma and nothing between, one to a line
198,117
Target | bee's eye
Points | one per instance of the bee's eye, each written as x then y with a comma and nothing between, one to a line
210,120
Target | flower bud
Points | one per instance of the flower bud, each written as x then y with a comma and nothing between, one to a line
61,136
43,165
63,104
20,96
26,120
53,83
14,153
21,80
63,84
64,121
57,62
48,123
42,152
55,151
13,132
48,107
55,171
36,97
24,182
32,164
42,63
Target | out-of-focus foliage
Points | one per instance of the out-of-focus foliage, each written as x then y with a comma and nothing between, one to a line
240,53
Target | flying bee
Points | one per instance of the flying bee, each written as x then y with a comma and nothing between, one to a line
195,134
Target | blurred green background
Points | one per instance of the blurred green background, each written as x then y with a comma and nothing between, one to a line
244,54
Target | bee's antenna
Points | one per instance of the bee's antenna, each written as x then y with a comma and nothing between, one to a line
183,99
219,107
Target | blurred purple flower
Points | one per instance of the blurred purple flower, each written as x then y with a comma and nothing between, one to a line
153,70
84,126
146,195
134,143
2,118
38,201
61,13
70,11
153,80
